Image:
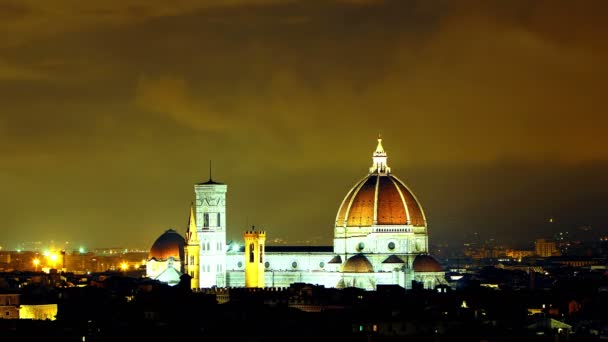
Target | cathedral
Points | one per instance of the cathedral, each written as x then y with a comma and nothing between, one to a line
380,237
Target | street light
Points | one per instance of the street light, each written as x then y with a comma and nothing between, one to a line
124,266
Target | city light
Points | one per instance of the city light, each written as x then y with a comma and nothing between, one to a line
124,266
36,263
54,257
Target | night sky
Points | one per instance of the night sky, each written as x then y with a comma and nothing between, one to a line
493,112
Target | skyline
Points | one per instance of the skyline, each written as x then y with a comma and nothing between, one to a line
491,113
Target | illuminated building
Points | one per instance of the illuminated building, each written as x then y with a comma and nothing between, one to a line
254,258
380,237
166,257
545,248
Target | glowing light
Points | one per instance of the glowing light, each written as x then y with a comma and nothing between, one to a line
124,266
36,263
46,253
81,250
53,257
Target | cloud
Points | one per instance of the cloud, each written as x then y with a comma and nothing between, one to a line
22,21
15,72
172,97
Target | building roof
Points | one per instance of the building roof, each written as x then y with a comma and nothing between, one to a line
426,263
302,249
169,244
380,199
393,259
358,263
210,182
335,260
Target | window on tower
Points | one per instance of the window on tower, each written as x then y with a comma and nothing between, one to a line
219,220
251,251
205,220
261,253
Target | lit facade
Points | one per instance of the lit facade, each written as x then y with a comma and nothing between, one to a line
545,248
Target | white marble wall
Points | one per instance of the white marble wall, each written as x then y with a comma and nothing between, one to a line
211,204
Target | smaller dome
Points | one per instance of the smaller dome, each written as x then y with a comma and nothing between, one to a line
170,244
358,264
426,263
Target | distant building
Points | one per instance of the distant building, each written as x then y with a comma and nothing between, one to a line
519,253
545,248
9,306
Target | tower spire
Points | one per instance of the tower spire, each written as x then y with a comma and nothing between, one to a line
210,178
379,160
191,235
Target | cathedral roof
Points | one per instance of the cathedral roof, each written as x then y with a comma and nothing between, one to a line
426,263
380,199
335,260
169,244
393,259
210,182
358,263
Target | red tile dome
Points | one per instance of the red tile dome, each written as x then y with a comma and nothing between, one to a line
170,244
384,199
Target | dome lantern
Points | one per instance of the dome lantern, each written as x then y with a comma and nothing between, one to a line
379,158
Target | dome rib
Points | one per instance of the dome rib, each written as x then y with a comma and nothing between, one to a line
360,212
390,204
343,212
376,200
418,218
407,210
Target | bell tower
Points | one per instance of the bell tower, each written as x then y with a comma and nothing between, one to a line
254,257
211,226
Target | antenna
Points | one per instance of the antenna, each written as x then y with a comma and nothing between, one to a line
210,178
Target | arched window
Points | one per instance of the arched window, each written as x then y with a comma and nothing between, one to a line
251,251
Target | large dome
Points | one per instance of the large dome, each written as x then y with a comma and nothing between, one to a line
380,199
170,244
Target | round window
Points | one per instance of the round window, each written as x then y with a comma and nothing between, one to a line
391,245
266,264
294,264
360,246
321,264
239,264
